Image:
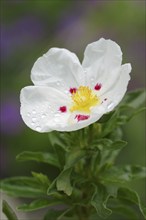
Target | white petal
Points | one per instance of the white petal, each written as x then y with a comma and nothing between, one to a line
40,108
58,68
115,94
81,124
102,61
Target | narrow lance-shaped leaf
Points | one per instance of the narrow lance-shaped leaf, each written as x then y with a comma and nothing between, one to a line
44,157
123,174
22,187
134,99
8,211
111,124
41,178
61,217
99,200
52,214
123,209
38,204
63,180
131,195
107,152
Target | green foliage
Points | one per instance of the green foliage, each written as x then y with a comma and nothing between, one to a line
44,157
38,204
132,196
7,210
99,200
90,184
23,187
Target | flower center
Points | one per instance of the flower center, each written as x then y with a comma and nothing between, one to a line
84,99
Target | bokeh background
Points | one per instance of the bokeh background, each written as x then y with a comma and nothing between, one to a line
29,29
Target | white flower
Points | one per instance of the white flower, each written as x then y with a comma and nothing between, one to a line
68,96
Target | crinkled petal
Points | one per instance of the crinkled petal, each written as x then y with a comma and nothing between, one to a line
58,68
40,108
115,94
102,61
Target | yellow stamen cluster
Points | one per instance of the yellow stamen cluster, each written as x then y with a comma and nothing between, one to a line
84,99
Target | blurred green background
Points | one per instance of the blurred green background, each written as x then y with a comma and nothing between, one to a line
29,29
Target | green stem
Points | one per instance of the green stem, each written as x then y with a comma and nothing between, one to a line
82,213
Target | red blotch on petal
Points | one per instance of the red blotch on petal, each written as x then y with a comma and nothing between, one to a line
63,108
73,90
98,86
82,117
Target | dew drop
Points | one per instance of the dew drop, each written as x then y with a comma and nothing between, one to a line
66,92
57,115
38,128
58,83
43,115
34,112
56,120
110,105
34,119
32,123
92,79
28,114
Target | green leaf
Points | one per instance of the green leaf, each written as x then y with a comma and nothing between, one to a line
99,200
52,214
123,174
63,181
131,195
107,144
111,124
39,204
73,157
41,178
44,157
134,99
22,187
64,213
7,210
123,209
56,138
136,171
108,151
106,117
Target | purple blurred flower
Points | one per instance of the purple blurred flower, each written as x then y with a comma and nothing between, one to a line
10,120
20,34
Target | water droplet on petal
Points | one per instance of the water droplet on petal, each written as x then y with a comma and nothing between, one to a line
57,115
32,123
110,105
28,114
38,128
92,79
34,112
58,83
66,92
34,119
43,115
56,120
